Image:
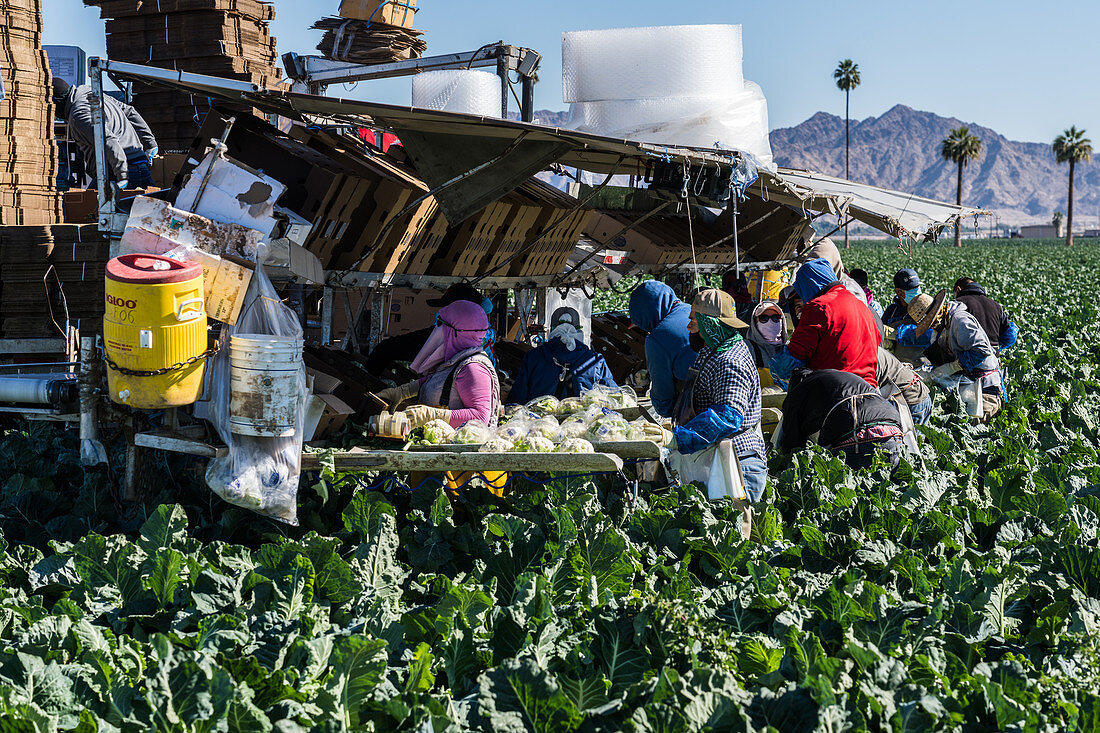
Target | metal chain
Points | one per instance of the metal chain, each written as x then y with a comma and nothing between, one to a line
160,372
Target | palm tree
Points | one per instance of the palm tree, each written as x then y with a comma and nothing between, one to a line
960,147
847,78
1071,147
1057,220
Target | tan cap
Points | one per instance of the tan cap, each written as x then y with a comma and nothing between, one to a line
924,310
720,305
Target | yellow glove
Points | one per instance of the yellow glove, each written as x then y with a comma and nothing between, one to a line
420,415
387,425
394,396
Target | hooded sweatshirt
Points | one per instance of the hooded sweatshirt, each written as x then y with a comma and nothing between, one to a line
762,350
128,135
655,309
455,353
542,370
837,330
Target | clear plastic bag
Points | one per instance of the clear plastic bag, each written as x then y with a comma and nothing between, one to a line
472,433
547,405
259,473
545,427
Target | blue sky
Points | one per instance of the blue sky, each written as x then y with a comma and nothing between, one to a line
1018,67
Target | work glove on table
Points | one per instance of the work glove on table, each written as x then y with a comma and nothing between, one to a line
420,415
394,396
657,434
389,425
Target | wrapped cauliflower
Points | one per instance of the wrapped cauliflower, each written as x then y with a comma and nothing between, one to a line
575,445
571,405
622,399
609,429
437,432
547,405
534,444
546,427
514,429
496,445
574,427
471,433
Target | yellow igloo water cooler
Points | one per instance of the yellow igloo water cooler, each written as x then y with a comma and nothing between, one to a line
768,284
154,325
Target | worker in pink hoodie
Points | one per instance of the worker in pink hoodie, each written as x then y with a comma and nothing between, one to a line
458,381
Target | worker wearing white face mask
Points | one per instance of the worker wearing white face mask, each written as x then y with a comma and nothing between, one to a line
563,367
909,346
767,332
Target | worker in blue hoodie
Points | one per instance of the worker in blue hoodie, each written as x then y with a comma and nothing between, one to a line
655,309
563,367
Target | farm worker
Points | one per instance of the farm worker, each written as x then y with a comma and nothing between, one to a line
842,413
717,415
737,285
406,346
655,309
791,304
901,376
959,333
860,276
908,347
458,381
767,332
130,142
827,250
563,367
999,328
836,331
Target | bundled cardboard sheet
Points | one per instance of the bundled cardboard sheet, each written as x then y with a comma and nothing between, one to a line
361,42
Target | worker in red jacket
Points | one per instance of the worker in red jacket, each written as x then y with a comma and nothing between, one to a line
836,330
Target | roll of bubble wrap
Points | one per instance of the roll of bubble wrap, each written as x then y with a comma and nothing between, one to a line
662,61
736,121
461,90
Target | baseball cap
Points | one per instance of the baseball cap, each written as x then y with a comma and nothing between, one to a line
565,314
718,304
455,293
906,280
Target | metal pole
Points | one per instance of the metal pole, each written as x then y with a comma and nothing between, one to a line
505,89
92,452
328,310
736,242
527,113
100,135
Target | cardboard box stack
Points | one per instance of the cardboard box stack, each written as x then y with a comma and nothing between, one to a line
224,38
50,272
372,32
28,156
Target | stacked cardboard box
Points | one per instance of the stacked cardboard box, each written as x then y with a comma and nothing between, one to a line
51,273
28,156
372,32
224,38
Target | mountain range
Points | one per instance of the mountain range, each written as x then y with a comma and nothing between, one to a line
900,149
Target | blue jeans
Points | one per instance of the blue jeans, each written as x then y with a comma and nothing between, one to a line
141,174
755,471
921,412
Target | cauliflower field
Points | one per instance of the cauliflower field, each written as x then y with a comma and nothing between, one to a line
965,596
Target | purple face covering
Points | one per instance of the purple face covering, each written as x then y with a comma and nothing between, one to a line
459,326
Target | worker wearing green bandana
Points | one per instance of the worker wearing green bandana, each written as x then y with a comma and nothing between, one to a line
721,400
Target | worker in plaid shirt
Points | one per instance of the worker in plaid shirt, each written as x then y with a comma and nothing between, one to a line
722,398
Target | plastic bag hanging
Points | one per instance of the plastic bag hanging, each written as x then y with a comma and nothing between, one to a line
258,395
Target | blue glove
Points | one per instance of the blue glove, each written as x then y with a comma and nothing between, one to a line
707,428
783,364
907,336
152,152
123,184
1008,338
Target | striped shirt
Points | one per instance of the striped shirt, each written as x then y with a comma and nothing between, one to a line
731,379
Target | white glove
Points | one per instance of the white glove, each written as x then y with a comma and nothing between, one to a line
394,396
420,415
657,434
945,371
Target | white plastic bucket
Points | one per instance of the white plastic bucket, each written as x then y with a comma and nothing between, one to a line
264,382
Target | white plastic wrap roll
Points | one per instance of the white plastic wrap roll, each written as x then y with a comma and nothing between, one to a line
641,63
467,91
736,121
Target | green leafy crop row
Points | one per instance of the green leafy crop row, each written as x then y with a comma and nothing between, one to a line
965,595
